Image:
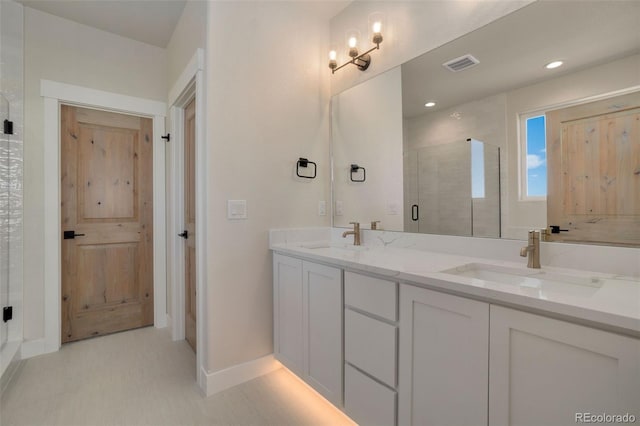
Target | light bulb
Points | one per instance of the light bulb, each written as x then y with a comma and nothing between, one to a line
353,42
430,104
332,60
552,65
376,22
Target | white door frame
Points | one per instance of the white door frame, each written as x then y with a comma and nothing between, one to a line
189,84
55,94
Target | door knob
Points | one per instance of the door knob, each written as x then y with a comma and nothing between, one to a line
184,234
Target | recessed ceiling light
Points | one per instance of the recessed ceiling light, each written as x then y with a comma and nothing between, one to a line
552,65
430,104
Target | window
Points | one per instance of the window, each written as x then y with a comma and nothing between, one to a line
534,162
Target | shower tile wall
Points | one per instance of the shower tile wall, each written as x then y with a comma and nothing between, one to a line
11,166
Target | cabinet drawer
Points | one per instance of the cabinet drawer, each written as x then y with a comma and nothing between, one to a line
366,401
372,295
370,345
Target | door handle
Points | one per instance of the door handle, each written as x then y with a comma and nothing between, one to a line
70,235
184,234
415,212
555,229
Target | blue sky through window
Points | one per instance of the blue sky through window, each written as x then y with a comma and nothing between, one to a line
536,157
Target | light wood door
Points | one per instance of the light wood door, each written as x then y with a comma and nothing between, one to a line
190,222
287,312
444,352
106,183
594,171
544,371
322,325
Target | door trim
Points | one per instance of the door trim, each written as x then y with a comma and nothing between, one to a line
55,94
190,83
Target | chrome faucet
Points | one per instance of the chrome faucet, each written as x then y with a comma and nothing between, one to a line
355,233
532,250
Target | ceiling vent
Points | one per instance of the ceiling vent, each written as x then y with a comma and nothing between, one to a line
461,63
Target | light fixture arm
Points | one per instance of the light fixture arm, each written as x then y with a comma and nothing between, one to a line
362,61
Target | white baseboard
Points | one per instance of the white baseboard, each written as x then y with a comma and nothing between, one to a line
224,379
31,348
7,355
160,321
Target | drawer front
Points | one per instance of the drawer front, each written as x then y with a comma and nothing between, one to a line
370,345
372,295
366,401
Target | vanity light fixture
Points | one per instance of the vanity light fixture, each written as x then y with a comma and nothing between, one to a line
554,64
360,60
430,104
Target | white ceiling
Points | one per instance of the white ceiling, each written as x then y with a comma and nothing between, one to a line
148,21
513,51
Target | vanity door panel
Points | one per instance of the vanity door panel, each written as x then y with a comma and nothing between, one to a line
545,371
444,350
287,311
322,329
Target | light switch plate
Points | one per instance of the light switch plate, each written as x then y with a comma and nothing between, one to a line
236,209
339,210
322,208
392,208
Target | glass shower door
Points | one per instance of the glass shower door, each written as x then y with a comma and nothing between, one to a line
5,188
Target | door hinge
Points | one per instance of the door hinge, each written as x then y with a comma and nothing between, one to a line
7,313
167,137
8,127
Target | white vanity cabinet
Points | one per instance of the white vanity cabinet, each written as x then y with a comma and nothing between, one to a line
444,350
308,323
408,355
544,371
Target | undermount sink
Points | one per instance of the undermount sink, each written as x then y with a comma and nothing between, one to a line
327,245
528,278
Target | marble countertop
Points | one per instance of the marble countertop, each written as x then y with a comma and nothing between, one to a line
612,302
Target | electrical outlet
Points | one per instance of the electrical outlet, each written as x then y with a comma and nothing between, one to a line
322,208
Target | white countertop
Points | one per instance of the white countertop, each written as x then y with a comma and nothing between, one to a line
613,304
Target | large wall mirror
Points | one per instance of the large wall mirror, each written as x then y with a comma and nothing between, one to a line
508,144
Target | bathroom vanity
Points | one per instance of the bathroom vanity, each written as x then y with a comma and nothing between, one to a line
403,336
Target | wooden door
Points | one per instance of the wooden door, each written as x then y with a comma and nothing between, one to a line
190,222
106,181
545,371
594,171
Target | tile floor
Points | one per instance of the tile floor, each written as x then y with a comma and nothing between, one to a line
141,377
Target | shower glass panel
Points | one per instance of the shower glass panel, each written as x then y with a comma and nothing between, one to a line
5,218
458,189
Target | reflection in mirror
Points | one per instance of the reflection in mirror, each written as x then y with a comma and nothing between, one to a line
453,188
418,157
367,131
